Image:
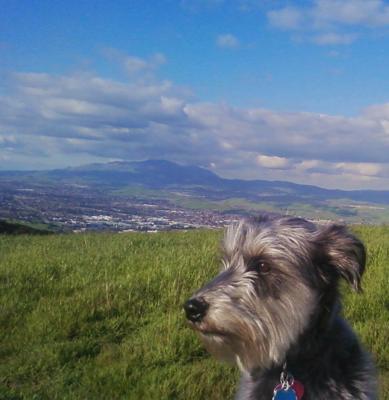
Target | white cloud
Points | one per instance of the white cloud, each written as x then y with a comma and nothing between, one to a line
378,111
273,162
227,41
331,22
44,118
364,169
308,166
333,38
286,18
135,64
351,12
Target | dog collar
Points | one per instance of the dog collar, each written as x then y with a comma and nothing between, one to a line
288,388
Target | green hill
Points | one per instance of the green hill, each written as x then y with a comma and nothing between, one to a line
16,228
98,316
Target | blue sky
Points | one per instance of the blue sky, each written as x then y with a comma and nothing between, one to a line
249,88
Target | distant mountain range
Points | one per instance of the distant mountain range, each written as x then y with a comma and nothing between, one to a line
191,186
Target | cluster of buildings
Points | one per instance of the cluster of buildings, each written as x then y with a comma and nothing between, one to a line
77,209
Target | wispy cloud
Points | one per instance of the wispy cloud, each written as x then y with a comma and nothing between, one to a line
134,65
331,22
332,38
86,116
227,41
286,18
370,13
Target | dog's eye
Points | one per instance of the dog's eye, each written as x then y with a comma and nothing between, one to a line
258,264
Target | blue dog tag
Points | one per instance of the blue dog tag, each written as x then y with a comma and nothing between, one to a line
284,394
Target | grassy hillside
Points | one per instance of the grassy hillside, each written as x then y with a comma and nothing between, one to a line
19,228
353,212
98,316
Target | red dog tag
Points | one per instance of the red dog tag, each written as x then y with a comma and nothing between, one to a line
298,387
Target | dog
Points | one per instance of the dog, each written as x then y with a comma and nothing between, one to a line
274,310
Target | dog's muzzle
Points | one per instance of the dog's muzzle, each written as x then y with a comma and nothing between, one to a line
196,309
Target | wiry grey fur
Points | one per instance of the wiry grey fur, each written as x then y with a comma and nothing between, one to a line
276,300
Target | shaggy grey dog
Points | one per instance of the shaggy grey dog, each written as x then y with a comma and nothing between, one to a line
274,310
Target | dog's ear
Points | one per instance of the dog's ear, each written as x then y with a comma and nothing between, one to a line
343,252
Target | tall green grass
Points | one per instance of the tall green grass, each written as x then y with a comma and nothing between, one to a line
98,316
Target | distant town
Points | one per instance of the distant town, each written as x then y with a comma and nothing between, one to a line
155,195
78,208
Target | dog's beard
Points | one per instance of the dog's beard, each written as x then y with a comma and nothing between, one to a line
238,341
219,346
256,335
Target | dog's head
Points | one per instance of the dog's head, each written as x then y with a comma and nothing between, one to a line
277,275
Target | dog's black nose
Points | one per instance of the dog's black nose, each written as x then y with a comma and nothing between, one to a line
195,309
